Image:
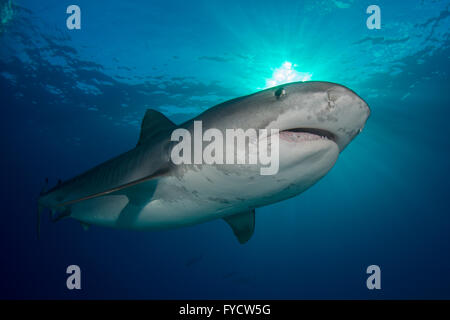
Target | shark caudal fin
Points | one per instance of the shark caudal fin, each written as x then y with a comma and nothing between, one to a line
56,214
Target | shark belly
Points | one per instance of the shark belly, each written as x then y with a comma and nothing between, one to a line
197,194
196,197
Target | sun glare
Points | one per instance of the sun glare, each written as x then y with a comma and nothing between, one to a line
286,73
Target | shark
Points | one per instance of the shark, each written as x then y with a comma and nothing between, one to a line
142,189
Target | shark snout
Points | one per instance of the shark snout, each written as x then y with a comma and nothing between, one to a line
346,114
321,109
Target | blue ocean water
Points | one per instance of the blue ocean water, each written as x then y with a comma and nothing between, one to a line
74,98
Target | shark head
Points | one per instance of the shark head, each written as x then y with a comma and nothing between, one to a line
307,110
315,122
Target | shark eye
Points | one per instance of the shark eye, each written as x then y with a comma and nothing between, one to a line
280,93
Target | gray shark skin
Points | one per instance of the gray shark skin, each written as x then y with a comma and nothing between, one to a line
144,189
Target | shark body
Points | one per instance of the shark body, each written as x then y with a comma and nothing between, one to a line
143,189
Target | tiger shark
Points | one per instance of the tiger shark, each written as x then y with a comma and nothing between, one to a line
144,189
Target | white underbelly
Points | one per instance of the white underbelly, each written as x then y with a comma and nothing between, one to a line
176,202
195,196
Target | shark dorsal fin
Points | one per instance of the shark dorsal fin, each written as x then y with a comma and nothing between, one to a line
243,225
154,122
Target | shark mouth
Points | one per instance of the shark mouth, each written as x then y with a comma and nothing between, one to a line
306,134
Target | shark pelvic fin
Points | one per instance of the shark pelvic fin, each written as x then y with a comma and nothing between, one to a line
242,224
58,215
154,122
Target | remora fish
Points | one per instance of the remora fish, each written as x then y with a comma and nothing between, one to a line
143,189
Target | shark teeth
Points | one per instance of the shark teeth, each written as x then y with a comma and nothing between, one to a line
300,136
307,134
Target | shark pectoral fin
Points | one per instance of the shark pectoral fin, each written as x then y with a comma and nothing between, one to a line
154,122
138,197
243,225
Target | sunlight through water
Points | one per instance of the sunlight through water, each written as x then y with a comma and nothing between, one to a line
285,74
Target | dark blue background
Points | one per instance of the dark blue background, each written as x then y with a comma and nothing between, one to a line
385,202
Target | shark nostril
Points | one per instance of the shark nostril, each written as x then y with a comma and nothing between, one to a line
332,97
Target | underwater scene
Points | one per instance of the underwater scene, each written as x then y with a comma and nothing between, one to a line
77,79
